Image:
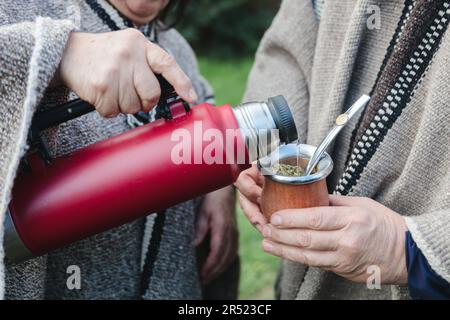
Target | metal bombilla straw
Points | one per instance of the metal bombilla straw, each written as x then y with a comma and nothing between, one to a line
341,121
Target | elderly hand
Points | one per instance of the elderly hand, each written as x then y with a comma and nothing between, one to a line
346,238
115,71
249,184
217,218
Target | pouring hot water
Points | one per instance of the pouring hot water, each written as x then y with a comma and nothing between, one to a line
300,169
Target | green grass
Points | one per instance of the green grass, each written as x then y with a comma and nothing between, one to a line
258,270
228,78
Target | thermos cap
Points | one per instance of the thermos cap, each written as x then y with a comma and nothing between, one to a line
283,118
266,125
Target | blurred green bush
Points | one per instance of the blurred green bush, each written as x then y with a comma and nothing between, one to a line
227,28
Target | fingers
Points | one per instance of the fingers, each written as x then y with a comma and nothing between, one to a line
255,174
320,259
129,101
220,207
163,63
306,239
227,256
247,184
108,109
106,104
252,212
320,218
223,252
250,195
214,262
147,88
114,71
201,229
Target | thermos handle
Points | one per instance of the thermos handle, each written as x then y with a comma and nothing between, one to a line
54,116
60,114
77,108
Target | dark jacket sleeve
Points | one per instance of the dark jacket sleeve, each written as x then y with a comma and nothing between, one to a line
423,281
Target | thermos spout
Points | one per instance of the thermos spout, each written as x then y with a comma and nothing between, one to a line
266,125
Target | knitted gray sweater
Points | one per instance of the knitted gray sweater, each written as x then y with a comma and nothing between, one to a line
321,67
33,35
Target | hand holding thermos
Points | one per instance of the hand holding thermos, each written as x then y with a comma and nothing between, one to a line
115,71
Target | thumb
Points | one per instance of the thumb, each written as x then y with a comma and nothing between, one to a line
163,63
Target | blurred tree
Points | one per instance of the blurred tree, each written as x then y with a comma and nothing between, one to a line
227,28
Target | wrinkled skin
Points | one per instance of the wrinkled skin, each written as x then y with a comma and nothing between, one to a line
347,237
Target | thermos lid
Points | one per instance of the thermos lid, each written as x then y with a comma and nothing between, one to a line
283,118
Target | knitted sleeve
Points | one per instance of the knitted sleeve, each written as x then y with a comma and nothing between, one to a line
30,52
284,60
429,223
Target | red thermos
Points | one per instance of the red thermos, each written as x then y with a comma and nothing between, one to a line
145,170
